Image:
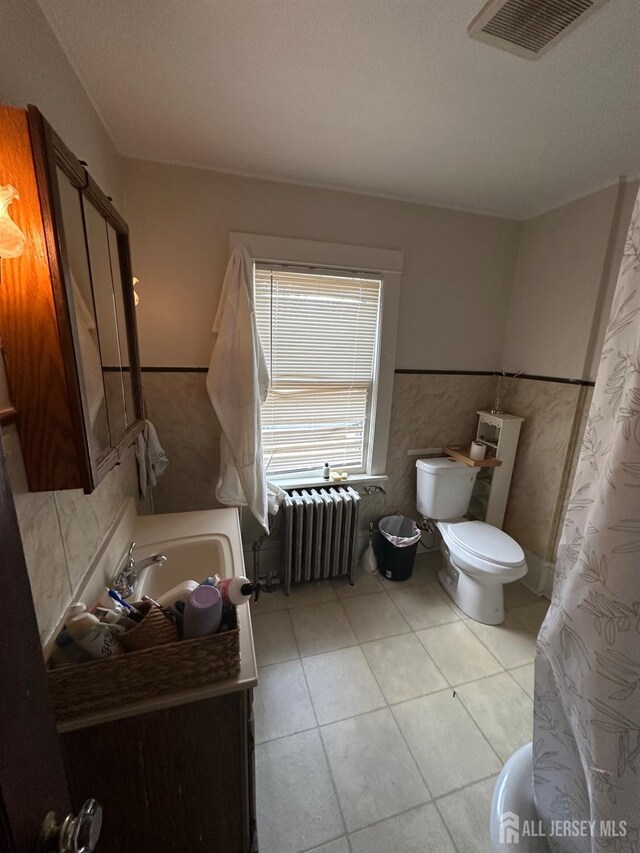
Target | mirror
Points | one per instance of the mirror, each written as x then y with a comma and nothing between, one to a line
85,314
104,299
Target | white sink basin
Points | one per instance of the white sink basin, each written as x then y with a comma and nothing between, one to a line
192,558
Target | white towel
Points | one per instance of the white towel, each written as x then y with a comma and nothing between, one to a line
151,458
237,384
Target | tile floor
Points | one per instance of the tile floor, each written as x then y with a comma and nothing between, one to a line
384,714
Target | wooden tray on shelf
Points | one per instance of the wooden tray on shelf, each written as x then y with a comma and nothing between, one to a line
462,455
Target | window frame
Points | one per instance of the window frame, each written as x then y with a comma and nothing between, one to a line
385,263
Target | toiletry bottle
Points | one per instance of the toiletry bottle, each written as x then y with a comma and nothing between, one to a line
326,471
202,613
66,651
176,599
76,609
212,580
94,637
236,590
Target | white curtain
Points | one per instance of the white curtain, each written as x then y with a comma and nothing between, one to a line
586,746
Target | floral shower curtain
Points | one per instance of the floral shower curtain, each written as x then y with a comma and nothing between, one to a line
586,746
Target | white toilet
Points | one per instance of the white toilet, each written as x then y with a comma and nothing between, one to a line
478,558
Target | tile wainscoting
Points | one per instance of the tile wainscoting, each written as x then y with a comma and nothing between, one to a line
547,454
428,410
63,531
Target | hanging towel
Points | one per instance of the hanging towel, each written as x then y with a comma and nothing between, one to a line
151,458
237,383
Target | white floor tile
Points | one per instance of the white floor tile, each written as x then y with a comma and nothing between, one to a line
269,602
450,750
402,668
524,675
440,589
429,565
516,594
457,653
417,577
310,592
511,642
296,804
466,814
365,584
502,710
321,628
339,846
423,606
419,831
273,638
532,615
282,705
374,616
341,685
374,773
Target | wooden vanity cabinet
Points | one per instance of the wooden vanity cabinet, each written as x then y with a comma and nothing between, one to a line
181,778
67,314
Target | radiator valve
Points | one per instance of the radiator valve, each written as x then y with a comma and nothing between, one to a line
372,490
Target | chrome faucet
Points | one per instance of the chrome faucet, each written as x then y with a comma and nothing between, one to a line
126,578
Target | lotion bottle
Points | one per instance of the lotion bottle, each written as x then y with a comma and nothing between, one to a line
236,590
93,636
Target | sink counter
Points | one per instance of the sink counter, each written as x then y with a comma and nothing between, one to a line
171,530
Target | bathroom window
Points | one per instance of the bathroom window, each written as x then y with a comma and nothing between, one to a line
330,341
320,331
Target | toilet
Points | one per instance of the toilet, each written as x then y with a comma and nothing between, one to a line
478,558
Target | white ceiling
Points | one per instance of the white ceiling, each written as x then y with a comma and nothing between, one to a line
389,97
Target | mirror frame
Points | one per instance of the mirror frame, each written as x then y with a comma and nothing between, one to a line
50,152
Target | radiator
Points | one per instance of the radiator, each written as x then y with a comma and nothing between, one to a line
321,534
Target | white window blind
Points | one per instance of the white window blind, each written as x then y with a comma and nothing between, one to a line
319,331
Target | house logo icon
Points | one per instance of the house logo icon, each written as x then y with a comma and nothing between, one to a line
509,828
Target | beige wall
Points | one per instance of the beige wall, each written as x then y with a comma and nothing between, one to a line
34,70
458,267
565,272
61,531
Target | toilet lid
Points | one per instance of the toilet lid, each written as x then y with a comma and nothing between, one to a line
487,542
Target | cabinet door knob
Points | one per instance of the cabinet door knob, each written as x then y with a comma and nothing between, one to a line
75,834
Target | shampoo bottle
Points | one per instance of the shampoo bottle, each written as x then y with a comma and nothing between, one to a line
94,637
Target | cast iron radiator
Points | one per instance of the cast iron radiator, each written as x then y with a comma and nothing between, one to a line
321,534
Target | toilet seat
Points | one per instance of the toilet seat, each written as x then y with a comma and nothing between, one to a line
482,547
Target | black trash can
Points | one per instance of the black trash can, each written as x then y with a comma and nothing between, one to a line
397,547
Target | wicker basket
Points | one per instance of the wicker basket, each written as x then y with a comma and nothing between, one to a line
101,685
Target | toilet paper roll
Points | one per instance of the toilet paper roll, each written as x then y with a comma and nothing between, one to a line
477,450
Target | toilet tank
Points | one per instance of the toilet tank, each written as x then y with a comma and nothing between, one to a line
444,487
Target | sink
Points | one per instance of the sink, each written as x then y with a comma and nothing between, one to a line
190,558
196,545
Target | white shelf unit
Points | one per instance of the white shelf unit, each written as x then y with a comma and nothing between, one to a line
500,434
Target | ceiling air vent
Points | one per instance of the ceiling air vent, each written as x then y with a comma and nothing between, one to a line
529,28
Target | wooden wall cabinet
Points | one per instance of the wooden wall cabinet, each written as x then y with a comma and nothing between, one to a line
67,314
